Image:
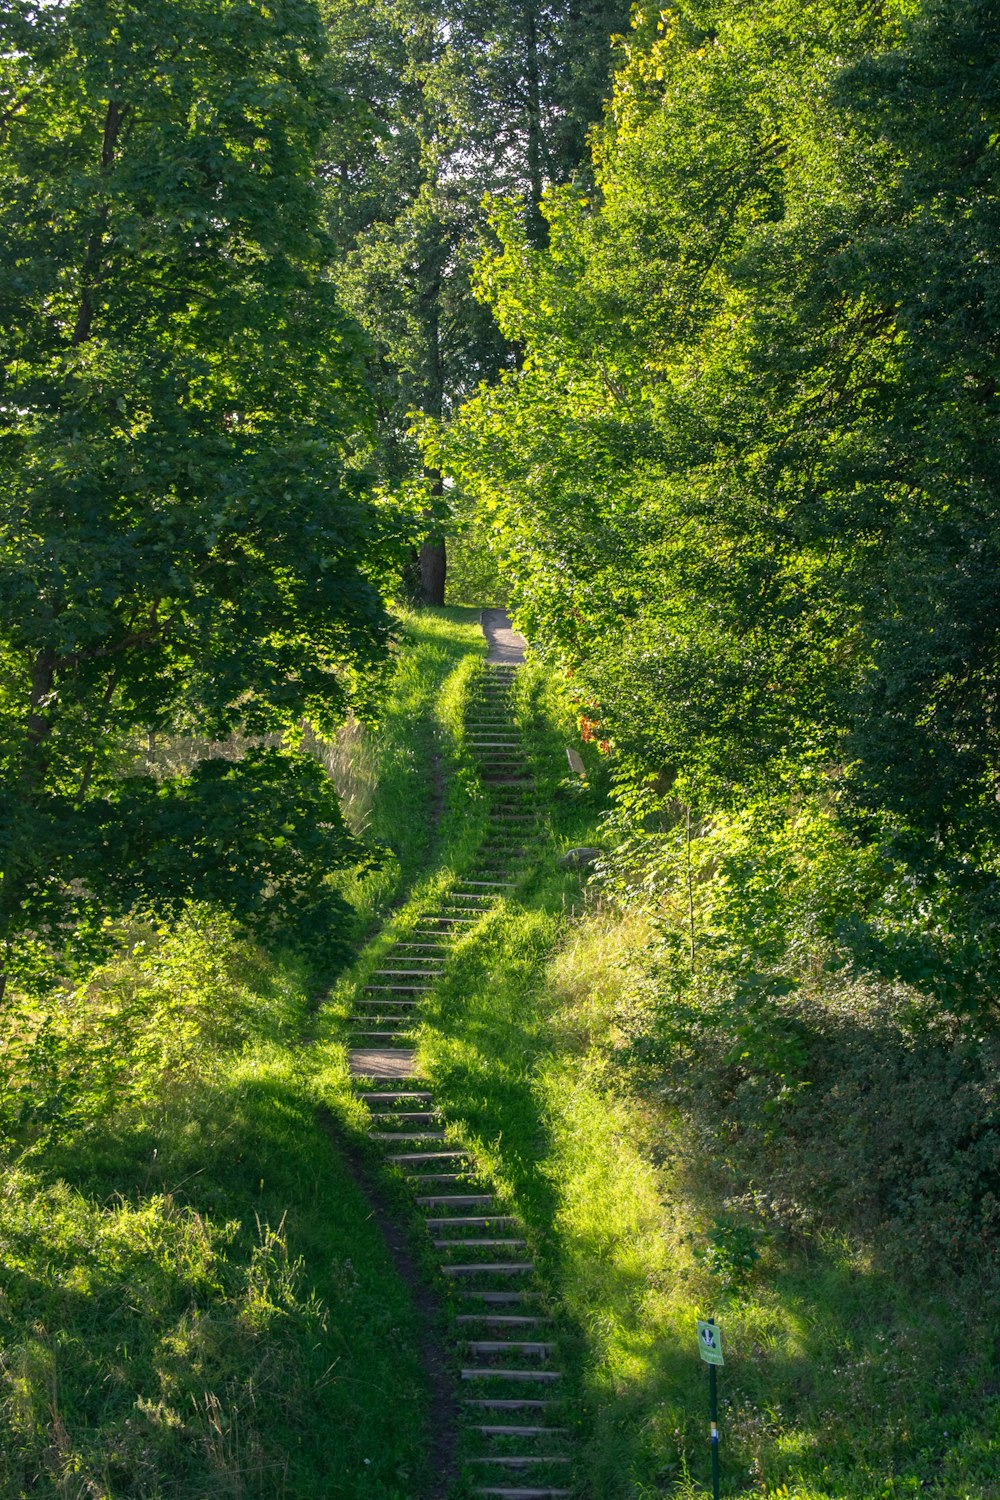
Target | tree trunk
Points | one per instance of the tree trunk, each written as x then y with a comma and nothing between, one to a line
433,567
433,560
537,227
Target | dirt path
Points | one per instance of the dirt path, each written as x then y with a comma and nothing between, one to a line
504,642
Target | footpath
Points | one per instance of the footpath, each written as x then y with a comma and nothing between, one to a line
514,1434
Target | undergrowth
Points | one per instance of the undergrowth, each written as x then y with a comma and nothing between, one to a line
804,1150
683,1074
194,1298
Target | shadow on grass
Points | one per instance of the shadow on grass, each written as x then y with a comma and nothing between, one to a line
851,1351
215,1308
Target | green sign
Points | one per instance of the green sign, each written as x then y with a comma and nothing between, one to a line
710,1343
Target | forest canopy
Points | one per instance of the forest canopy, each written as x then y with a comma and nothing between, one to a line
744,484
184,545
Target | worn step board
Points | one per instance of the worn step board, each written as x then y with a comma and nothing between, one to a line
431,969
390,1096
508,1403
415,1156
398,989
405,974
482,1221
521,1461
509,1431
508,1346
382,1023
406,1116
460,1200
406,1137
468,1243
502,1320
397,1004
489,1372
379,1063
505,1492
493,1298
491,1268
389,1037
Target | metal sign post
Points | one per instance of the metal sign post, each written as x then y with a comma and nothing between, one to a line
710,1349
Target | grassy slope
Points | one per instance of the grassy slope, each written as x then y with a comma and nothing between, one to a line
840,1381
193,1299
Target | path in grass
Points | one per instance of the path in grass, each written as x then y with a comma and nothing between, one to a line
514,1442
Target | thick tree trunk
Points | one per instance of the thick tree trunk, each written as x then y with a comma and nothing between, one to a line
433,568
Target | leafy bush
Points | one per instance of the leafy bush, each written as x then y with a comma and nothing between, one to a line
192,1297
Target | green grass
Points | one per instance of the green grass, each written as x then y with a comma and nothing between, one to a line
392,775
196,1302
844,1380
194,1298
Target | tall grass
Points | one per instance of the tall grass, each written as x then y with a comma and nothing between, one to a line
194,1298
392,775
661,1182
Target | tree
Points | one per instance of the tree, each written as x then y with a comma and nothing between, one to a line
180,542
664,475
743,483
466,101
925,717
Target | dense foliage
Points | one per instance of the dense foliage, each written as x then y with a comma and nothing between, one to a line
182,545
743,485
453,100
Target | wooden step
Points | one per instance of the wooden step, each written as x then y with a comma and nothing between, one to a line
409,1156
482,1222
407,1115
385,1036
502,1320
507,1403
505,1492
500,1431
430,963
460,1200
406,973
490,1372
479,1244
377,1062
406,1137
520,1461
398,989
494,1298
467,1177
511,1346
491,1268
397,1004
384,1096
